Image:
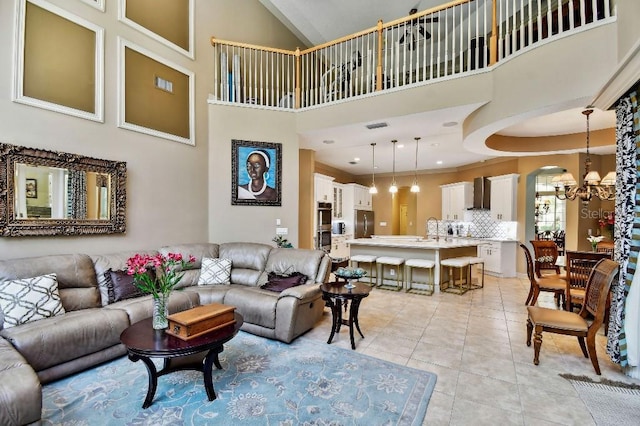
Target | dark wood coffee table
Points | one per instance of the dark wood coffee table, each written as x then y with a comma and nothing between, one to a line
338,296
143,343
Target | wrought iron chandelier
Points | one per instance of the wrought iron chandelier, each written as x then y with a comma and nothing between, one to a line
604,189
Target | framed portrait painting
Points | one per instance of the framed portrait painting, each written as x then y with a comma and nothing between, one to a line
31,190
256,169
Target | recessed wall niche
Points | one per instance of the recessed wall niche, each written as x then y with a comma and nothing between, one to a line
58,61
155,95
168,21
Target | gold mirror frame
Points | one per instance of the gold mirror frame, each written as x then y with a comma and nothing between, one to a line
10,226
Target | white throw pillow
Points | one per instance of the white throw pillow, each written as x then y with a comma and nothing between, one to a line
30,299
215,271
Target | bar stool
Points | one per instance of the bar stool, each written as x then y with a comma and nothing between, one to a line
409,266
390,261
364,258
476,261
461,264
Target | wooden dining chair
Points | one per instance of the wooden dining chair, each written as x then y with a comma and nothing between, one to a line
545,253
551,283
579,265
575,324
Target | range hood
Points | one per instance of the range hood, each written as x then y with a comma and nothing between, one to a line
481,193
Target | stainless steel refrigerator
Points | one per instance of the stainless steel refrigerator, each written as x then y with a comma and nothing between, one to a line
364,224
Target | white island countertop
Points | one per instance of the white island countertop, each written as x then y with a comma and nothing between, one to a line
415,243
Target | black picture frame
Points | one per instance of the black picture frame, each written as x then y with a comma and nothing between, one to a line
270,192
31,189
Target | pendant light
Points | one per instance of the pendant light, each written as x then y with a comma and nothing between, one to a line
373,189
394,188
415,187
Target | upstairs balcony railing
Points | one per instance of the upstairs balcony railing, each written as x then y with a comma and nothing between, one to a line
456,38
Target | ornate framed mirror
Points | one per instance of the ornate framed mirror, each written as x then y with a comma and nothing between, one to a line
56,193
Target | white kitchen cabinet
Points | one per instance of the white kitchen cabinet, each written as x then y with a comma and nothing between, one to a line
504,197
456,199
360,195
339,246
338,201
323,186
499,257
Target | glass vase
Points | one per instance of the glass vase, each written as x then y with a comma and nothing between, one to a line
161,312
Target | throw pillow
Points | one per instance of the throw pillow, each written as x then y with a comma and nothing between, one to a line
215,271
282,282
120,285
30,299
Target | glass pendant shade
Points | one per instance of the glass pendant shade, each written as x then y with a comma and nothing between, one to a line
394,188
372,188
415,188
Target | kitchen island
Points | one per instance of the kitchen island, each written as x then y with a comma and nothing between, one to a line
414,247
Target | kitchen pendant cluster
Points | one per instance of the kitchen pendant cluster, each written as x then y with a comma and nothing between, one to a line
592,185
393,189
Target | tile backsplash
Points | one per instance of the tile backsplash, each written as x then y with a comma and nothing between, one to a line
478,224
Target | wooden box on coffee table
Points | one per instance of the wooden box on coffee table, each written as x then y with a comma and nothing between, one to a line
199,320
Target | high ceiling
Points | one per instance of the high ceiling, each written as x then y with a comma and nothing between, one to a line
440,147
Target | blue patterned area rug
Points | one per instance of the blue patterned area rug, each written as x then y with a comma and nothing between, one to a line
263,382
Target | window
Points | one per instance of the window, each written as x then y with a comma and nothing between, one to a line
550,214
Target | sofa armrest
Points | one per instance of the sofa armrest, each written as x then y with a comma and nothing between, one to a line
302,292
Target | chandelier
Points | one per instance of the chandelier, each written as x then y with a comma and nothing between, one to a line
394,188
604,189
372,188
415,187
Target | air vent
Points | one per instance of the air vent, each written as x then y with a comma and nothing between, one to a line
376,125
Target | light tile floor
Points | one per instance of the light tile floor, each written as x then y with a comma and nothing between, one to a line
475,343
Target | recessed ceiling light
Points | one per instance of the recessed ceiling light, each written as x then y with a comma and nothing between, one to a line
400,145
435,144
356,159
439,162
450,124
328,141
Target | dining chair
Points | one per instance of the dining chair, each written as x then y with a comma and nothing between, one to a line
605,247
551,283
546,254
575,324
579,265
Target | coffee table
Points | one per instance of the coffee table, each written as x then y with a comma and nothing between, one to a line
143,343
337,295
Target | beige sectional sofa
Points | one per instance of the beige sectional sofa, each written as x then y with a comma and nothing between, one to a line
88,333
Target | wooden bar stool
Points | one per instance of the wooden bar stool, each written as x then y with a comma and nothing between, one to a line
476,261
460,264
364,258
423,287
390,261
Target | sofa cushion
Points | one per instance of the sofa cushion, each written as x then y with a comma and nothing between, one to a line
215,271
116,262
282,282
77,283
249,260
29,299
121,286
20,392
256,306
288,261
59,339
197,250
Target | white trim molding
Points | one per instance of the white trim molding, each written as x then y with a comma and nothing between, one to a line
122,16
122,92
98,4
18,68
626,75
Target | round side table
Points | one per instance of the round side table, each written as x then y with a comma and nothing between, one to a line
337,297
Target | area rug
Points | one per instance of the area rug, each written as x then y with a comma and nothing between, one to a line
263,382
609,402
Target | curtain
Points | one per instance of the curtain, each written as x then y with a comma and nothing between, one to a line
77,199
627,226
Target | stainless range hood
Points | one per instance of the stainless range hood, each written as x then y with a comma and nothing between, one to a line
481,193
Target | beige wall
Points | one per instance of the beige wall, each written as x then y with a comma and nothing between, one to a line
251,223
168,183
167,18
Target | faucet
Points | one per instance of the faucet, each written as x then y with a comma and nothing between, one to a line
437,228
